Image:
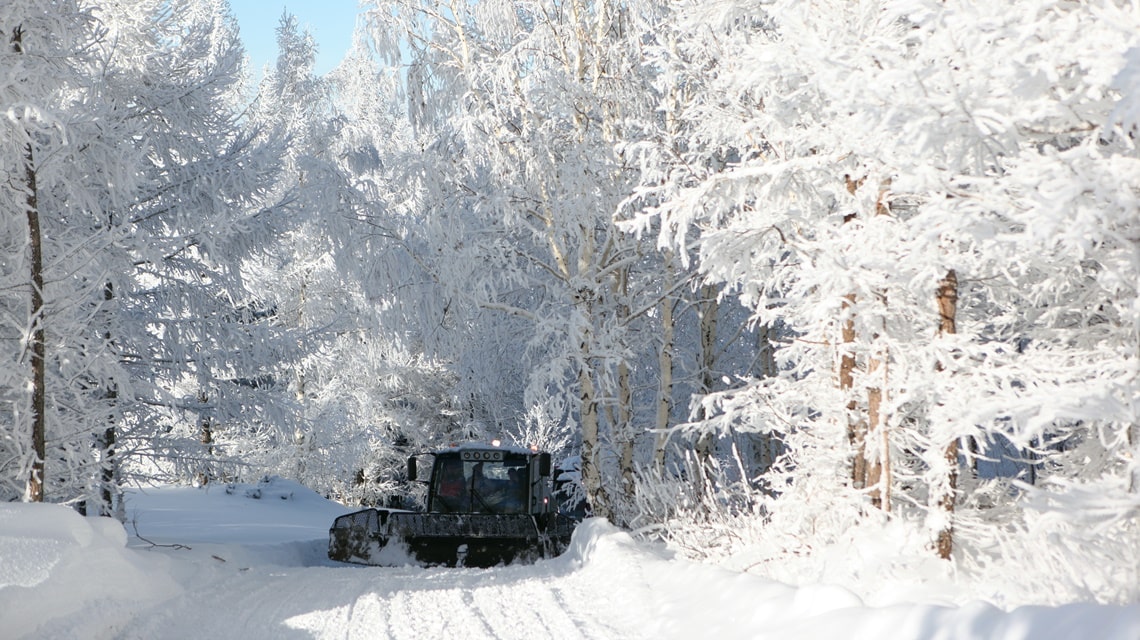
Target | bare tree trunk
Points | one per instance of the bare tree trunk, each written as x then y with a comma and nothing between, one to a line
1134,443
878,471
38,348
206,438
625,431
764,446
108,467
875,465
877,367
588,396
767,352
591,445
673,107
623,422
300,371
948,311
866,473
107,441
34,489
665,366
706,442
856,428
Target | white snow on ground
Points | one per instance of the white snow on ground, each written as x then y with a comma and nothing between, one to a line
250,563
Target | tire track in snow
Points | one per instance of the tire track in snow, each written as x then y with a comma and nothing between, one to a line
553,599
528,608
434,613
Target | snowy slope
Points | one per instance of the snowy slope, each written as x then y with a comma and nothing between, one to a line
250,564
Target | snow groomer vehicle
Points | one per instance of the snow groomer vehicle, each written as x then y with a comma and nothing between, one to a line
486,505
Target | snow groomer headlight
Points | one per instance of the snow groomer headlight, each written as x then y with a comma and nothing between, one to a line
482,455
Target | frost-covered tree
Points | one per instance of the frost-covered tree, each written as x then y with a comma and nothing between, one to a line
30,96
908,188
150,192
345,276
525,104
213,353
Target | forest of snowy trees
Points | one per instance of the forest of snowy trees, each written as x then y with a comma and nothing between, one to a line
773,271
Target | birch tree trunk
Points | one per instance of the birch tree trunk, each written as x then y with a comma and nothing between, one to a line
108,469
625,433
108,439
706,442
624,424
591,424
591,444
677,97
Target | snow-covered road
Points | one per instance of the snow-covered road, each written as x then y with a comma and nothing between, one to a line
228,566
552,599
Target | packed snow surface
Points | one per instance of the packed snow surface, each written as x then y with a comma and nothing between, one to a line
248,562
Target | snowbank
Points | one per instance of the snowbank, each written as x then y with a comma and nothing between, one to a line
692,600
60,571
273,511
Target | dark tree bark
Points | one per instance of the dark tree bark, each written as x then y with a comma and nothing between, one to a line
36,346
708,310
35,491
107,441
206,438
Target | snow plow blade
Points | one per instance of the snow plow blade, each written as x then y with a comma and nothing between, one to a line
386,538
